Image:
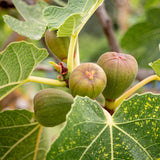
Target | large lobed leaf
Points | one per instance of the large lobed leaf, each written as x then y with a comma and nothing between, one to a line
20,138
34,25
142,39
70,19
91,133
17,62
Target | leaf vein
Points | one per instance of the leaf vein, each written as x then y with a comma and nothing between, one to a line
94,141
144,149
27,135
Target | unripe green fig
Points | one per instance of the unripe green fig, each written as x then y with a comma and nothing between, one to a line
88,79
120,69
100,99
51,106
58,45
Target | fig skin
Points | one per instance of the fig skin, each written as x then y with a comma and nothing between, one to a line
120,69
51,106
58,45
100,99
88,79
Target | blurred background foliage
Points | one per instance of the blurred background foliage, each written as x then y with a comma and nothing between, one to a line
136,27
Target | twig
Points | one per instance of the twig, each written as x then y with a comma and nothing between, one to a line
60,3
8,3
107,26
144,73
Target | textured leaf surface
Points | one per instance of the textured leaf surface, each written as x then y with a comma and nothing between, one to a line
19,136
34,25
142,39
156,66
17,62
91,133
70,19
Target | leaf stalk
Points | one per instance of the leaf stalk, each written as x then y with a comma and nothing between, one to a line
135,88
46,81
71,53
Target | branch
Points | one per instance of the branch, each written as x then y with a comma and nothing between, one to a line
8,3
107,26
144,73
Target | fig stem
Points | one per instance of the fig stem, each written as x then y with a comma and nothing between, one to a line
135,88
71,53
110,104
46,81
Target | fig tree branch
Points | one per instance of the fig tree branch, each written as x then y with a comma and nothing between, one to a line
107,26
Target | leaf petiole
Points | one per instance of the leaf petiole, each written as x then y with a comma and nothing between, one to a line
71,53
46,81
135,88
76,56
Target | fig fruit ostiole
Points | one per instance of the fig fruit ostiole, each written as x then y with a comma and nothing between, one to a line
121,70
51,106
58,45
88,79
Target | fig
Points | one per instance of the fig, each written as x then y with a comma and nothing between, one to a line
100,99
88,79
51,106
120,69
58,45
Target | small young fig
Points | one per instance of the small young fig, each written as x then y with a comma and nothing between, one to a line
120,70
51,106
58,45
88,79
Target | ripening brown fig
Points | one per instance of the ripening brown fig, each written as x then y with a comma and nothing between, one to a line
88,79
121,70
58,45
51,106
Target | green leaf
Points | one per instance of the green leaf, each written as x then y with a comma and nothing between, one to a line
151,3
20,137
91,133
17,62
156,66
70,19
142,39
34,25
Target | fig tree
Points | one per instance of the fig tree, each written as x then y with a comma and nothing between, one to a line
121,70
51,106
88,79
58,45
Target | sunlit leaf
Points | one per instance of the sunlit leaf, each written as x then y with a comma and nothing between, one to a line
17,62
70,19
34,25
92,133
156,66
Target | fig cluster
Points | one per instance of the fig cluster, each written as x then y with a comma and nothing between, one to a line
104,81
